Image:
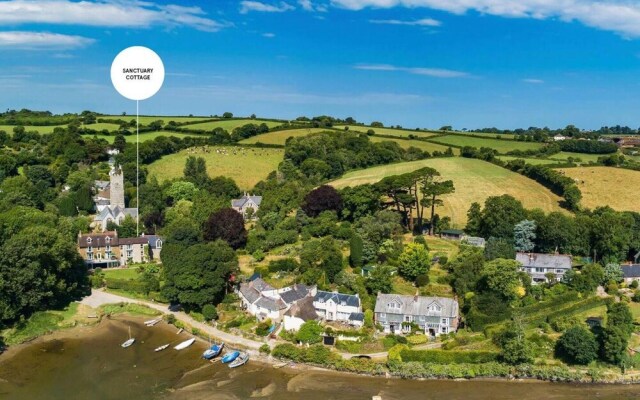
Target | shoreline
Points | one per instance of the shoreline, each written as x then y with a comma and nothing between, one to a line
79,332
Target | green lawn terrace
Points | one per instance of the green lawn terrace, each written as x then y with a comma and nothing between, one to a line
245,165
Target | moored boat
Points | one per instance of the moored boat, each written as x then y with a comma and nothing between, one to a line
230,357
129,342
152,322
242,359
213,351
164,346
185,344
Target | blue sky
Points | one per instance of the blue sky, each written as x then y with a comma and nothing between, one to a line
417,63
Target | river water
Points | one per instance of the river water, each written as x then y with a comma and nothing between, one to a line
88,363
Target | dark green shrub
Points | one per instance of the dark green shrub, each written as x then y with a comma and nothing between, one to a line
422,280
265,349
209,312
450,357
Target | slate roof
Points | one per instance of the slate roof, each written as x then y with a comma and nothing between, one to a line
338,298
102,185
153,241
415,305
114,211
97,239
537,260
631,271
133,240
296,293
270,303
239,203
249,293
260,285
356,316
475,241
304,310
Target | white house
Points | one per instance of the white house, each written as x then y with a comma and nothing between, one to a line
333,306
539,265
247,205
299,313
559,137
432,315
266,302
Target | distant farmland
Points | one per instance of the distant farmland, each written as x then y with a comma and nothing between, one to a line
147,119
607,186
280,137
421,144
247,166
474,180
502,145
230,124
387,131
145,136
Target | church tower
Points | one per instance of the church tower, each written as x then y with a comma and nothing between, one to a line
116,190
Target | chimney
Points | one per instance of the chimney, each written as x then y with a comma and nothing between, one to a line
415,298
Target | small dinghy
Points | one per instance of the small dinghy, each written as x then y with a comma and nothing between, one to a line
185,344
179,331
164,346
128,342
230,357
242,359
213,351
152,322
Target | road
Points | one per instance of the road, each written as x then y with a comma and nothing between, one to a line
99,298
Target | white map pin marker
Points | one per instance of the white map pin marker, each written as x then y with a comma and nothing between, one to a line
137,73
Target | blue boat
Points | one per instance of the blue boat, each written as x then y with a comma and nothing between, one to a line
213,351
229,357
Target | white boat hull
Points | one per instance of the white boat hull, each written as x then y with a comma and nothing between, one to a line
128,343
185,344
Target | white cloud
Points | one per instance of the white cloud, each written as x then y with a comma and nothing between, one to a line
248,6
620,16
433,72
418,22
269,35
533,80
108,13
41,40
308,5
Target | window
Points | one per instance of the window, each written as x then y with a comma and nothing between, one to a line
407,318
108,239
444,321
108,248
88,240
89,256
159,244
540,270
89,249
559,271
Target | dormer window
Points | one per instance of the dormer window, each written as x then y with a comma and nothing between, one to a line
159,244
108,239
89,240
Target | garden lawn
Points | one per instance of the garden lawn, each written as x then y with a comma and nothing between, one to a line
501,145
246,166
607,186
280,137
474,181
230,124
421,144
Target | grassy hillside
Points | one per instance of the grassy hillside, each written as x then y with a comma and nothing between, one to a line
147,119
247,166
502,145
230,124
489,135
280,137
39,129
532,161
421,144
474,180
387,131
607,186
145,136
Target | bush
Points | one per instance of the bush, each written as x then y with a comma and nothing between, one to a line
209,312
634,285
577,345
417,339
395,353
285,265
133,286
450,357
258,255
287,351
171,319
97,280
422,280
265,349
636,296
263,328
310,332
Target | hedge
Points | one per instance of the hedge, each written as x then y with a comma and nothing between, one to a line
125,284
449,357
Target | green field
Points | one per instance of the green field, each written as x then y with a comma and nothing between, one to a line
247,166
607,186
387,131
230,124
102,126
502,145
280,137
563,156
147,119
488,135
421,144
532,161
145,136
39,129
474,180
